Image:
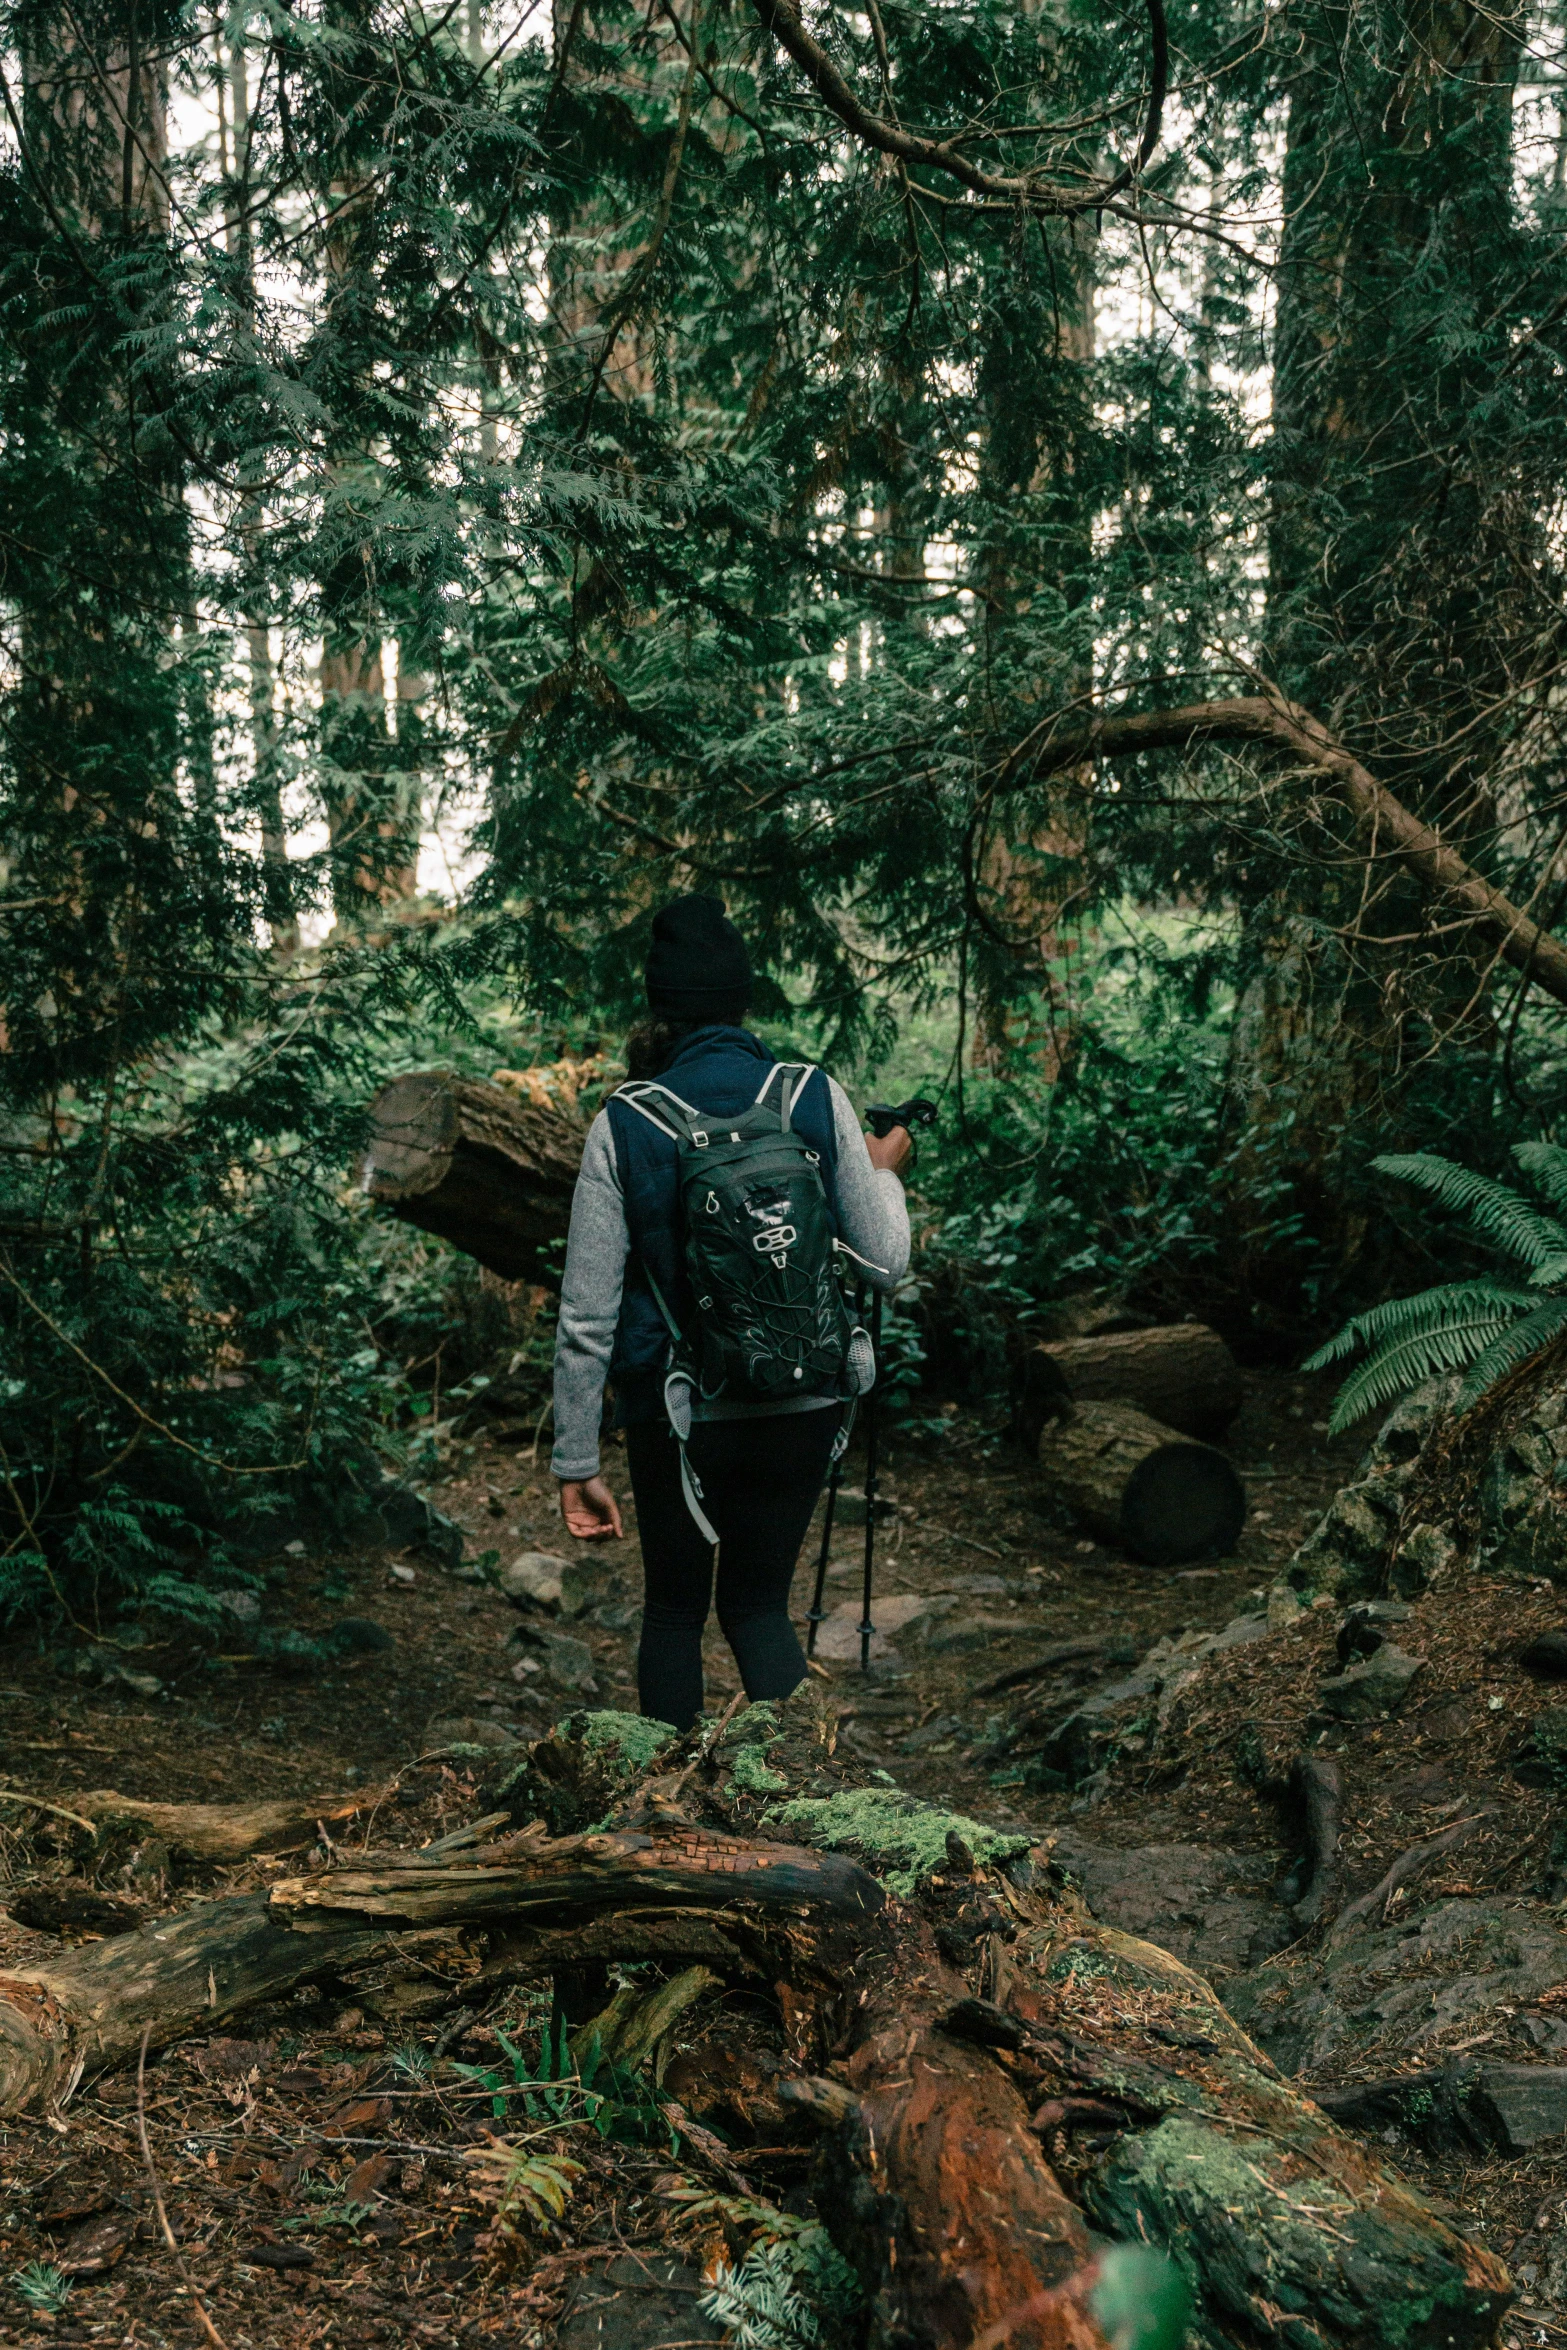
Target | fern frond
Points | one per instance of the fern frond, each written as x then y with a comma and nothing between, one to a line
1407,1317
760,2303
1499,1213
1395,1369
1546,1163
1550,1275
541,2184
1513,1346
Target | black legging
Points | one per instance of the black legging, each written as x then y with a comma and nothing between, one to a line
760,1480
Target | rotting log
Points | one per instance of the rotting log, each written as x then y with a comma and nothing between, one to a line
221,1832
475,1166
188,1973
988,2073
1181,1374
1132,1482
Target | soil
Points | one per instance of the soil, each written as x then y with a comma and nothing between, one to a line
340,2129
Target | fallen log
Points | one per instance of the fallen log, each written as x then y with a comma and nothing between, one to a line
222,1832
475,1166
1181,1374
989,2074
1158,1495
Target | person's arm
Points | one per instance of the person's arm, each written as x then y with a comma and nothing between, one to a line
597,1246
873,1215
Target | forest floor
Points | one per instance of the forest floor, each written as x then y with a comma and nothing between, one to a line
319,2174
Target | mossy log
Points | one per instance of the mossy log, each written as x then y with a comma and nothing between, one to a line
473,1165
987,2075
1135,1483
1181,1374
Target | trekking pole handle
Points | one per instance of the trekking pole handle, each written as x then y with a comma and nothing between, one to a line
884,1116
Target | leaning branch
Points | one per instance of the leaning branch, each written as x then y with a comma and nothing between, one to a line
1259,718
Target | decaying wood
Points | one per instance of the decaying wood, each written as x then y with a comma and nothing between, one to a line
473,1165
974,2117
1181,1374
1161,1496
223,1832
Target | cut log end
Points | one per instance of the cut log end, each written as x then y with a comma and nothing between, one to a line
1131,1481
470,1164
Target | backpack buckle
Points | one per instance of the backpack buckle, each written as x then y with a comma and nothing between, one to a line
699,1137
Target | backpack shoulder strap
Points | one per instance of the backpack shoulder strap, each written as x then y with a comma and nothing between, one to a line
662,1109
791,1079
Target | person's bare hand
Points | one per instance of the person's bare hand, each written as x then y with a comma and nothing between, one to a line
892,1150
590,1510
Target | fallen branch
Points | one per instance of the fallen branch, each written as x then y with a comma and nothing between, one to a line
1271,719
1410,1863
219,1832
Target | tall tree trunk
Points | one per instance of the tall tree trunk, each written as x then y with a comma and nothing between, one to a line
1397,200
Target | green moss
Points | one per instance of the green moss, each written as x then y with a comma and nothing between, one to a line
758,1725
749,1770
904,1839
630,1741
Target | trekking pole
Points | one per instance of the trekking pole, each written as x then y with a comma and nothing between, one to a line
883,1117
872,1430
818,1613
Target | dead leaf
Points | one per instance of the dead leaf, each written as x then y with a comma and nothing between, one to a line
95,2248
367,2178
365,2113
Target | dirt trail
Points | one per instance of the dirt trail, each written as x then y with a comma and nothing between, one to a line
263,2144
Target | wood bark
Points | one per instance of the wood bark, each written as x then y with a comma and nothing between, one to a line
1181,1374
1131,1481
492,1175
221,1832
1392,827
966,2143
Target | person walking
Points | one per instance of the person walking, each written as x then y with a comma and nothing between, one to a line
724,1447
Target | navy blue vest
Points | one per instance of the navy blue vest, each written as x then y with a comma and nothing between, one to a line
721,1071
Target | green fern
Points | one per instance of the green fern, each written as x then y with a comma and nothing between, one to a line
760,2303
1546,1162
1484,1327
1497,1213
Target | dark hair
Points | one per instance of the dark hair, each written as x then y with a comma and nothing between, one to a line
653,1044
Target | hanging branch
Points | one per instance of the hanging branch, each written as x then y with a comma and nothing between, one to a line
1269,718
783,20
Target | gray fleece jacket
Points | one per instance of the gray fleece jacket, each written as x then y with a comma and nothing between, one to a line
873,1221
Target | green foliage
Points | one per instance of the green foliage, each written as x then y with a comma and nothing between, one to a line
42,2286
1485,1327
537,2187
791,2290
588,2088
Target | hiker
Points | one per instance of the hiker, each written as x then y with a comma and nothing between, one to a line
728,1437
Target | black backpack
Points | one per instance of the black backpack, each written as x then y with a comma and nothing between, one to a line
761,1256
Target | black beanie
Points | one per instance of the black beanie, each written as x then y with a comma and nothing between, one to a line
697,967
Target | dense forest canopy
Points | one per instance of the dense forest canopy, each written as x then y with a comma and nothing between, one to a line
1054,514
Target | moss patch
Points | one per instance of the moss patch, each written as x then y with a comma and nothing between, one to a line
902,1838
629,1740
750,1770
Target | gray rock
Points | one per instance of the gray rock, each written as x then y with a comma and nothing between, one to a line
849,1509
1377,1685
1383,1996
1546,1656
567,1662
465,1730
291,1651
960,1635
1520,2105
556,1586
244,1606
404,1520
1211,1909
1425,1558
360,1636
1348,1548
